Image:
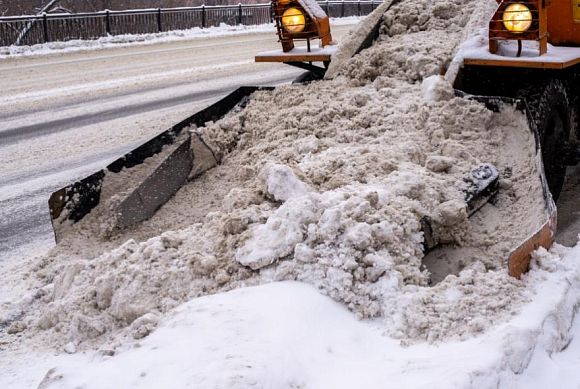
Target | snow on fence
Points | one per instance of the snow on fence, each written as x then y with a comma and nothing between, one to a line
30,30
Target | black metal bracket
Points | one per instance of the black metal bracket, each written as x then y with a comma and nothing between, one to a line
482,185
317,70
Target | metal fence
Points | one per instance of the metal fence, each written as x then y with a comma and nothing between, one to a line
30,30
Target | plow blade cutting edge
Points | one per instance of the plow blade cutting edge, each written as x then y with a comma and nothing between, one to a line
184,156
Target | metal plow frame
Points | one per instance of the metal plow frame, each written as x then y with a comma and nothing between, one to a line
81,197
544,236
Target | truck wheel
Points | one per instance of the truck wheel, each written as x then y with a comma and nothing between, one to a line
551,112
576,112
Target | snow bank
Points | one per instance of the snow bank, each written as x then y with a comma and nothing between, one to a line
147,39
286,335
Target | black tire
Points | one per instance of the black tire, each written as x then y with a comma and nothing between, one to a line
550,108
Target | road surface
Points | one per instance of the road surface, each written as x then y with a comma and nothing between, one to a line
65,116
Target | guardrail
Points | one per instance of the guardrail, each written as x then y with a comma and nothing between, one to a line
30,30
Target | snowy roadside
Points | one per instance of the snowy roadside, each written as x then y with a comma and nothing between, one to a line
287,335
148,39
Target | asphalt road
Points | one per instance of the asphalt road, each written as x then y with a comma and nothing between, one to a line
65,116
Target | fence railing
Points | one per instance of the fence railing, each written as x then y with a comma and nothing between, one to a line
30,30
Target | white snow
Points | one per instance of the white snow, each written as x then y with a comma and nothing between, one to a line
287,335
547,368
281,182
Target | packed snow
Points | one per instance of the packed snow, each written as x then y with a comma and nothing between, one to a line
328,184
286,335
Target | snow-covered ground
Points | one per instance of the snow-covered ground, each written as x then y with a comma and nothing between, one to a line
287,335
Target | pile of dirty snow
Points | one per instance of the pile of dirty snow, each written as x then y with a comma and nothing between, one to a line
326,184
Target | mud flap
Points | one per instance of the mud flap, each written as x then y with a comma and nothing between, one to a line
544,236
519,258
189,158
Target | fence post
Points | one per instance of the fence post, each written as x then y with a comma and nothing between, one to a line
271,13
203,16
44,27
239,13
108,22
342,9
159,27
327,7
372,5
358,7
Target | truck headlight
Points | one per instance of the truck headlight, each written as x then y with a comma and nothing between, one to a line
293,20
517,18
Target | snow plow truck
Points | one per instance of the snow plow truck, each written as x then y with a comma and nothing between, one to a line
532,61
